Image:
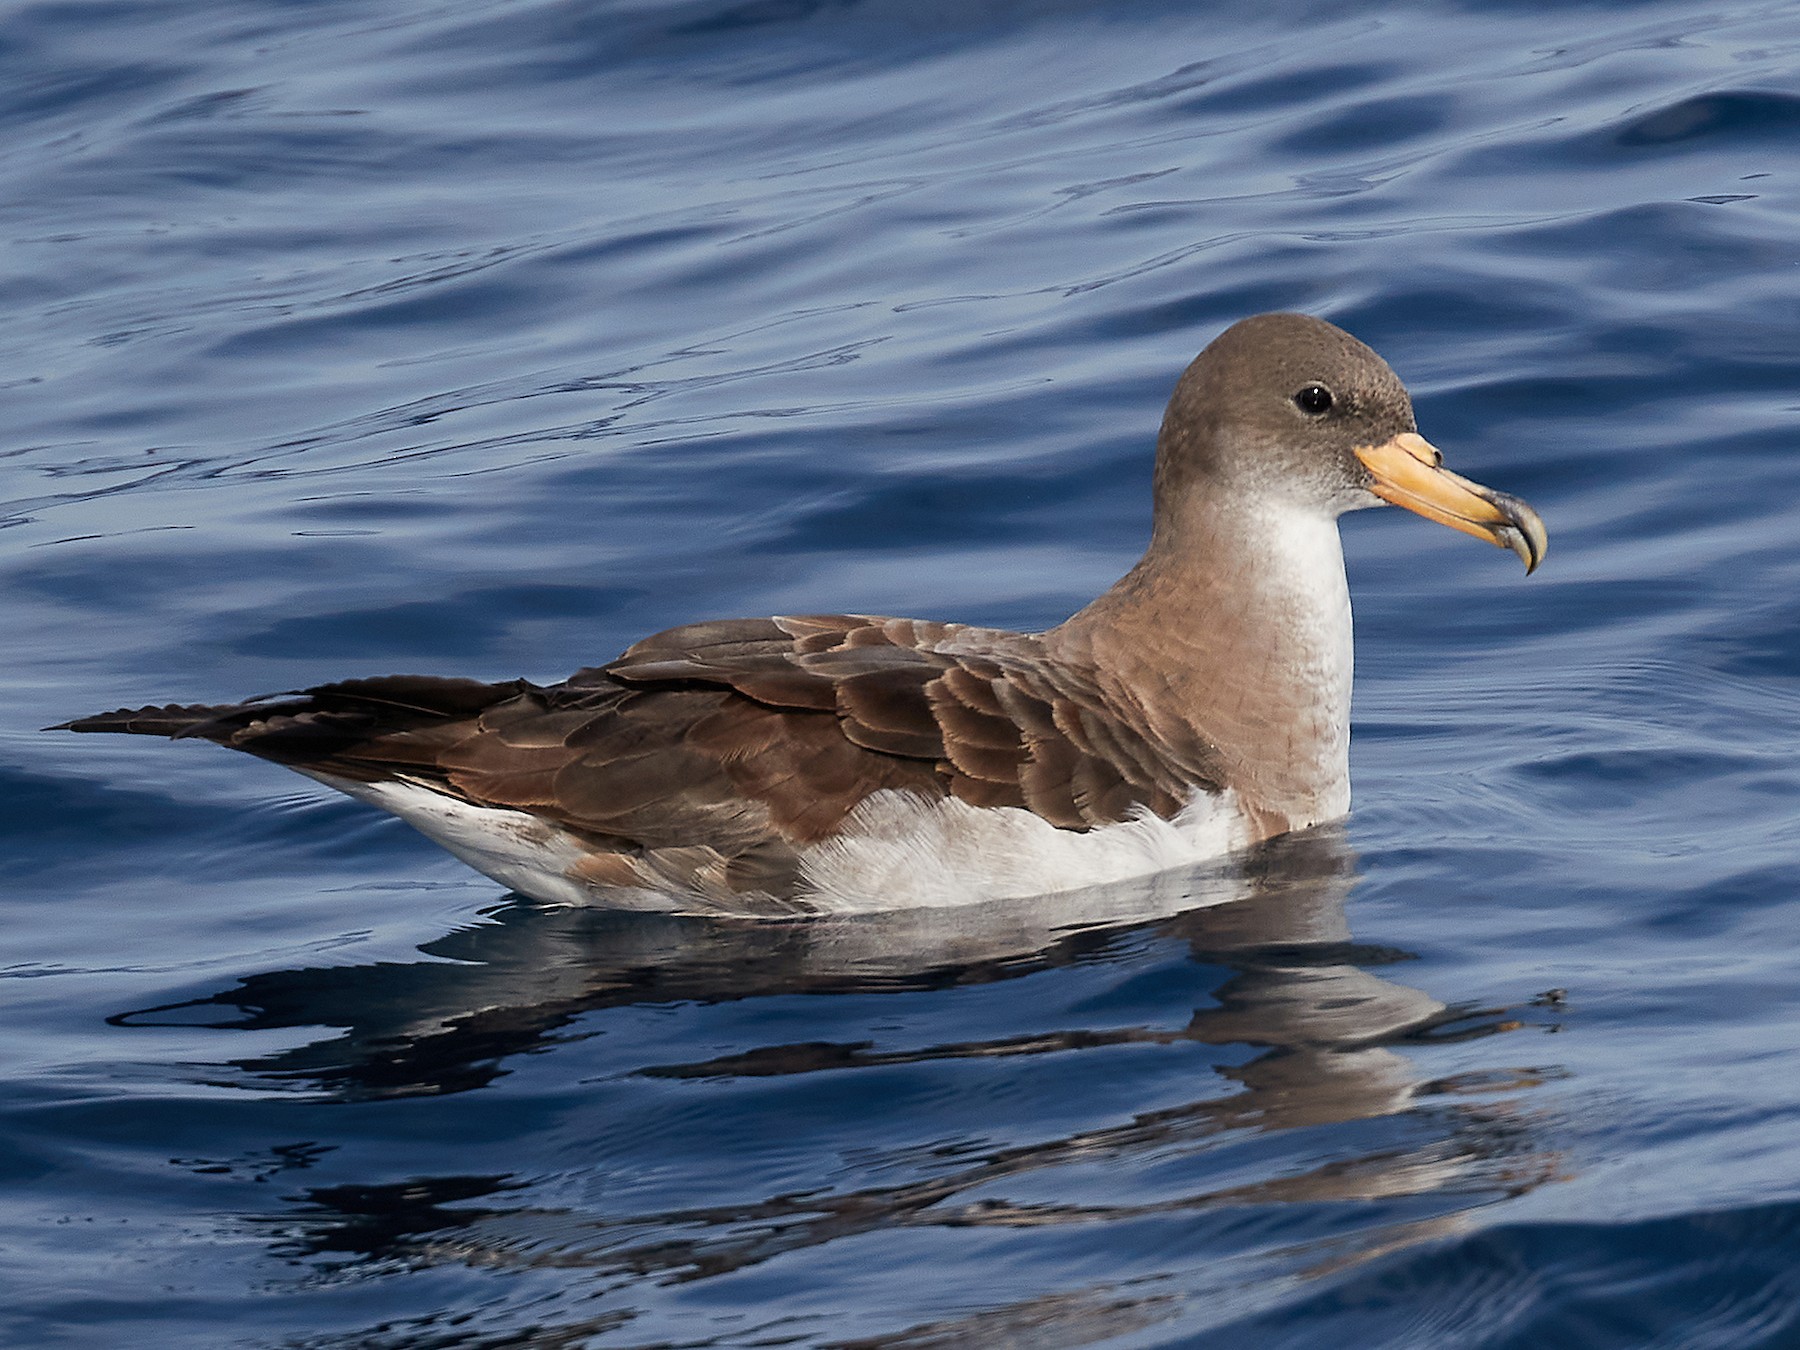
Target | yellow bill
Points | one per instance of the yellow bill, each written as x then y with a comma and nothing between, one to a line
1409,471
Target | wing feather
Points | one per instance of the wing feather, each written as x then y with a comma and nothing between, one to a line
713,754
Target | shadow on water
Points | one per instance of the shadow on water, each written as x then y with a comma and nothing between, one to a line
1305,1034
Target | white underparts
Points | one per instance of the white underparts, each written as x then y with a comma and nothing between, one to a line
901,851
515,848
895,851
1300,563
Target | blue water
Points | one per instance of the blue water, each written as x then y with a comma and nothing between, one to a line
361,336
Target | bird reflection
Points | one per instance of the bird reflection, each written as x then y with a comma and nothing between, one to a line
1307,1036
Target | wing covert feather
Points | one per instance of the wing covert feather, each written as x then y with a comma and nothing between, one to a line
720,751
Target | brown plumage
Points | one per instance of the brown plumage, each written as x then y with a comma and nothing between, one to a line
708,761
711,755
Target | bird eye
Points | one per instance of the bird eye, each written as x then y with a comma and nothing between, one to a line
1314,400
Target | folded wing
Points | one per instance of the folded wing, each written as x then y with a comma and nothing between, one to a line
716,753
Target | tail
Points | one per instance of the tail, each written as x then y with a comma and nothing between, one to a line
172,720
314,724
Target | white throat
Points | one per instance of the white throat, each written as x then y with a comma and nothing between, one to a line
1300,571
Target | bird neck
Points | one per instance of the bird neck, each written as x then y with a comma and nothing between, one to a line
1233,632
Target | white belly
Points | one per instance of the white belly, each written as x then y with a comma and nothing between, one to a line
896,851
900,851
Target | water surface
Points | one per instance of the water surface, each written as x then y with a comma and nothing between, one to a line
345,338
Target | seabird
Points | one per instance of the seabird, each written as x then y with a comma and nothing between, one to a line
833,762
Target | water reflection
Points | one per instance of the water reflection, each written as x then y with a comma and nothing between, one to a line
1305,1034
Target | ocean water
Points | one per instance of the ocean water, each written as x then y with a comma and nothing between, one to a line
482,338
